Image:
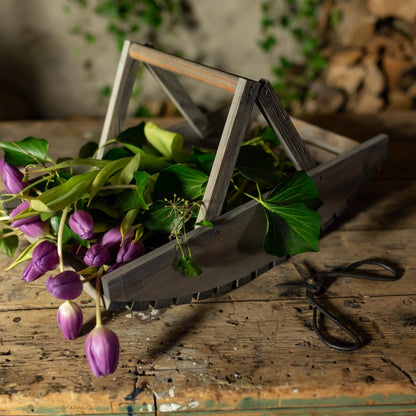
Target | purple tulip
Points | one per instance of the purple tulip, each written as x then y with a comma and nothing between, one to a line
20,208
114,267
31,272
70,319
96,256
66,285
102,350
12,177
130,250
82,223
45,256
35,229
112,238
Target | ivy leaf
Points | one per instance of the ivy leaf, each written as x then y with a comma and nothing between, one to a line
30,150
203,159
182,180
59,197
87,150
161,218
138,197
256,165
68,234
296,188
133,135
189,266
292,224
8,245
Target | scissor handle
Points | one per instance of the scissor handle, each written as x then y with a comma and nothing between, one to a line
353,270
356,343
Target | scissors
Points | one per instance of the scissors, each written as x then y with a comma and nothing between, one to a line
316,283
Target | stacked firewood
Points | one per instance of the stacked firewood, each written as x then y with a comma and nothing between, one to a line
372,59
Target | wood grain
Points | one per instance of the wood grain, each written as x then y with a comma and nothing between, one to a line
251,351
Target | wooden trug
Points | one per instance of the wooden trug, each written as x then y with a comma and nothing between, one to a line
231,253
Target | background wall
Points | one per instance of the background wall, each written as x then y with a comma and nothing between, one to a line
363,53
43,64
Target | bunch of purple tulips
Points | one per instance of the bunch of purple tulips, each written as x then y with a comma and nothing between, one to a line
109,251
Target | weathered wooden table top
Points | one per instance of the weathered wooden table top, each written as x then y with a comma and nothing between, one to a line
252,351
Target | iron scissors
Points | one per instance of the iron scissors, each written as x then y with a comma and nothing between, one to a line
316,283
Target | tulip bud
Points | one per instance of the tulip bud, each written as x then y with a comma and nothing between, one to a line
45,256
31,272
102,351
70,319
112,238
130,250
66,285
35,229
82,223
96,256
114,267
12,178
20,208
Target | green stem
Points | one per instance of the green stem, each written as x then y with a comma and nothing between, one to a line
17,232
60,235
98,321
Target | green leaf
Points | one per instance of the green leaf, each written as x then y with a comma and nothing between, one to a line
161,218
8,245
30,150
128,221
296,188
189,267
87,150
64,195
25,255
182,180
68,234
257,165
168,143
133,135
125,176
291,229
116,153
136,198
205,223
104,174
203,159
292,224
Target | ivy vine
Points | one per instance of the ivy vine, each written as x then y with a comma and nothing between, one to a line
307,22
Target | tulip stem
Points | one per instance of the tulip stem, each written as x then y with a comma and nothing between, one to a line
60,235
98,321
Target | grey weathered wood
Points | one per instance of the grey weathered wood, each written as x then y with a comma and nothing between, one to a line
182,101
341,178
280,122
226,156
206,74
120,96
231,253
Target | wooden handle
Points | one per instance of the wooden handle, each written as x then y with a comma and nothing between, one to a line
208,75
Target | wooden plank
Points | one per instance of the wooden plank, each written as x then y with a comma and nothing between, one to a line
120,96
235,128
182,101
280,122
203,73
196,357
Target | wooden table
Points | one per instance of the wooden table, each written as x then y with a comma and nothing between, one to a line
250,352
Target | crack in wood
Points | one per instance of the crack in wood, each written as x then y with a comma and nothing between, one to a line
404,372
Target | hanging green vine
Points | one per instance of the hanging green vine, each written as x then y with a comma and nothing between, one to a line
307,22
133,20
